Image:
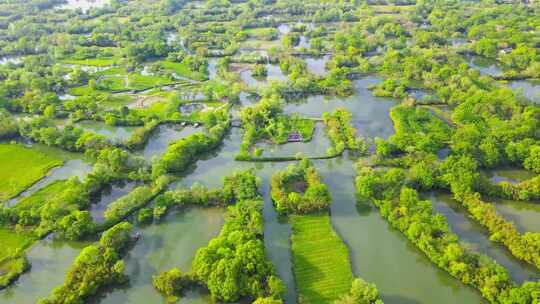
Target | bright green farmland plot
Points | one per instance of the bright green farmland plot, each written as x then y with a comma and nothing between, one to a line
322,268
20,167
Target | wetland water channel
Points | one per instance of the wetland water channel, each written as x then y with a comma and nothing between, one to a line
530,89
75,164
373,244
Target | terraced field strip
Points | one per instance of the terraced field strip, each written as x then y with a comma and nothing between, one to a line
322,268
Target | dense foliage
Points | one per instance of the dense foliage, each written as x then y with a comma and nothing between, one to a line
237,187
361,292
182,153
61,206
418,130
429,231
299,190
453,69
266,121
341,133
97,266
234,264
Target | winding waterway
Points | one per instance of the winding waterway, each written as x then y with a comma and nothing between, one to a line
372,242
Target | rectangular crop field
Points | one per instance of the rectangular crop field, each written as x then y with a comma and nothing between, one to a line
322,268
20,167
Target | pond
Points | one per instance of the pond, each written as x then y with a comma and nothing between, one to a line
209,172
172,242
317,65
423,95
318,146
212,68
11,59
370,114
374,245
163,136
486,66
50,262
303,43
84,5
114,133
75,165
456,42
478,238
188,108
529,89
108,196
443,153
523,214
274,74
510,175
284,29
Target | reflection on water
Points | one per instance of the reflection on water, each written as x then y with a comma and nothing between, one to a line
317,66
172,242
478,238
163,136
528,88
84,5
108,196
50,261
212,68
10,59
115,133
510,175
485,65
375,246
370,114
523,214
318,146
274,74
303,43
284,29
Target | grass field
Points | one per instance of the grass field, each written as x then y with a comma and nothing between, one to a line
118,100
20,167
261,44
11,240
322,268
41,196
306,127
183,70
98,62
139,82
263,33
12,266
